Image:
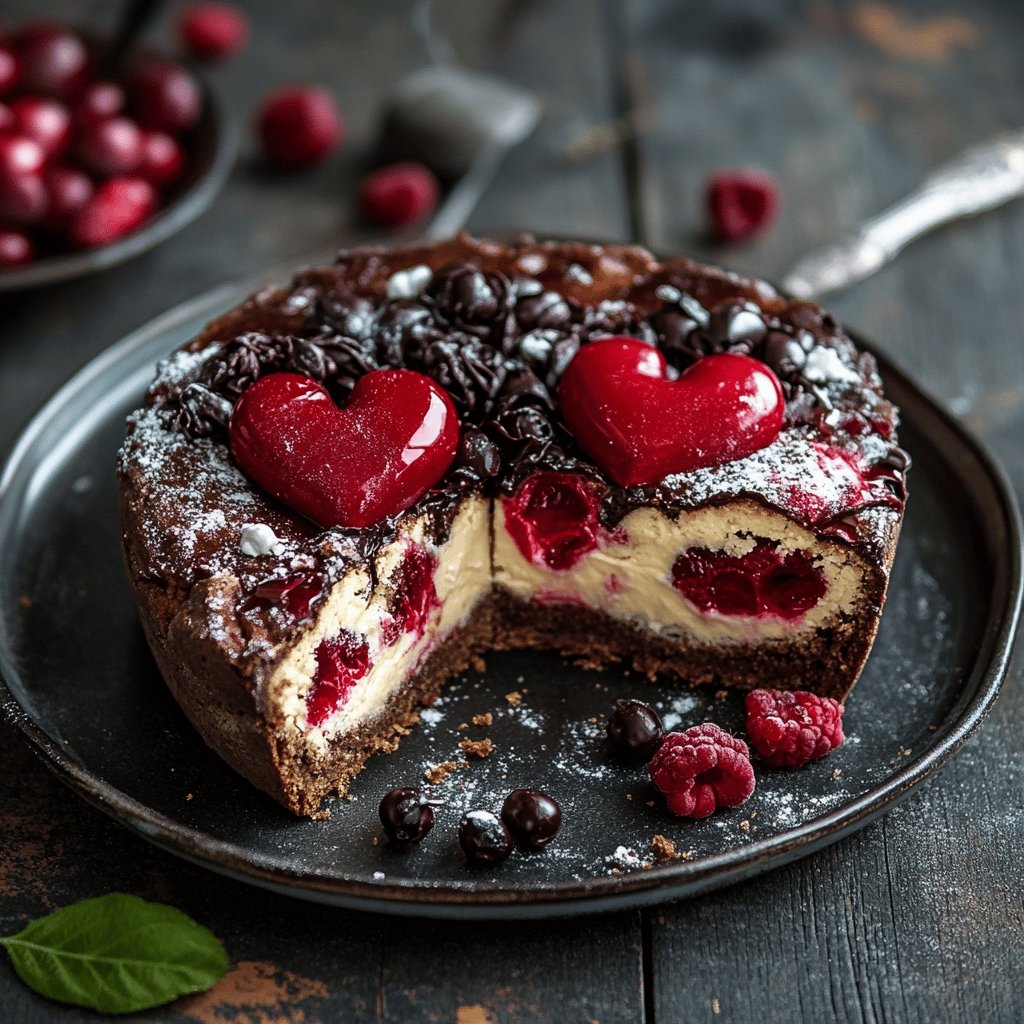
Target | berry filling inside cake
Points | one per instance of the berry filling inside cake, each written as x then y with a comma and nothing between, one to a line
348,489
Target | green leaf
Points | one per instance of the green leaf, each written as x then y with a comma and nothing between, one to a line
116,954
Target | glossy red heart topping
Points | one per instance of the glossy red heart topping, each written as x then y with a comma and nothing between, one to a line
640,426
345,466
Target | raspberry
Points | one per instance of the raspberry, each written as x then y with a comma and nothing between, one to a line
213,30
701,770
398,195
741,203
790,728
299,126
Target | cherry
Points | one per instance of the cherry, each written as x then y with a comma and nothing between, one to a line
484,838
68,191
299,126
166,96
297,594
54,61
163,160
111,146
552,518
119,205
100,100
741,203
406,814
213,30
10,69
532,817
341,662
20,155
399,195
415,593
634,730
758,583
16,247
46,121
22,197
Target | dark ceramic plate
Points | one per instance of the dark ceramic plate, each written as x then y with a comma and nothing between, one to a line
82,688
210,147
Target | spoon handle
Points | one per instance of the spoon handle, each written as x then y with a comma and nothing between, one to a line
134,17
982,177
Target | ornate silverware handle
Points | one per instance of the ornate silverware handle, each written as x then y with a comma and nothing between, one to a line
982,177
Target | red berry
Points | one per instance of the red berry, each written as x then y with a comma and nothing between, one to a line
20,155
10,69
54,61
741,203
788,729
68,190
111,146
46,121
100,100
701,770
166,96
22,197
163,160
118,206
399,195
213,30
299,126
16,247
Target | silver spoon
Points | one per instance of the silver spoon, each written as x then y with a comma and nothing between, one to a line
982,177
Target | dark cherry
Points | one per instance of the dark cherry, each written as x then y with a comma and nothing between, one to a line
634,730
407,815
532,817
484,838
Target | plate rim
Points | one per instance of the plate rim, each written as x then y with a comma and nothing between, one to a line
600,893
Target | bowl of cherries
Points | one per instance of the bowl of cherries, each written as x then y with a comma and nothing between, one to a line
97,164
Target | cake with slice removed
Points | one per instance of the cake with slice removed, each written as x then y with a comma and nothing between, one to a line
347,489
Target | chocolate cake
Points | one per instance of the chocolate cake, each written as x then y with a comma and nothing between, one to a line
601,453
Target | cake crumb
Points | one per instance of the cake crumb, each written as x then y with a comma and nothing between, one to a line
664,849
836,774
515,698
462,725
753,815
715,1008
592,720
629,796
188,796
745,825
721,694
24,602
440,772
477,664
903,752
933,728
485,719
477,748
375,840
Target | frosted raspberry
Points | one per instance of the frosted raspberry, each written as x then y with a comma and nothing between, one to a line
701,770
790,728
213,30
741,203
398,195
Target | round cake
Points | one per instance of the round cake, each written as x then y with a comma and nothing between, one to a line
349,489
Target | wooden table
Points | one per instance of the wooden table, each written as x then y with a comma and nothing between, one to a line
919,917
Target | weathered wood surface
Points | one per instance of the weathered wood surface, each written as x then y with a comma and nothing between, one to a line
919,917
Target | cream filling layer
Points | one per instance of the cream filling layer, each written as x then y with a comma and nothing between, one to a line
629,576
462,577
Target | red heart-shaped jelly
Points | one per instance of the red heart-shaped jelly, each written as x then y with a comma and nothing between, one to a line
640,426
351,465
